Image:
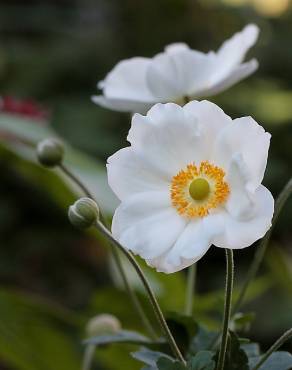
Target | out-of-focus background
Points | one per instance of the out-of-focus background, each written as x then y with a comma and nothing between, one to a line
54,278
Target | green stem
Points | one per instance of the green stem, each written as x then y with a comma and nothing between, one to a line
76,180
148,289
227,307
191,282
134,299
261,249
88,357
286,336
133,296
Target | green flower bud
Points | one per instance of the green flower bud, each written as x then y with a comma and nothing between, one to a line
50,152
83,213
102,325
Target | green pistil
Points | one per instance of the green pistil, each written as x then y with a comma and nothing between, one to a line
199,189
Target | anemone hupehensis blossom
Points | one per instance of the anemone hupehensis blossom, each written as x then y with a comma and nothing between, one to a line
177,74
191,178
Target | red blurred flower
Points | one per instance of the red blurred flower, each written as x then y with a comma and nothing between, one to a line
24,107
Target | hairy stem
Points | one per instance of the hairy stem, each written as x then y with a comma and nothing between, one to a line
132,295
286,336
261,249
134,299
148,289
191,282
76,180
227,307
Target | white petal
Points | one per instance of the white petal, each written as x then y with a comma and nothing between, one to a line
246,137
121,105
147,224
176,47
161,79
191,245
129,173
192,69
233,51
127,81
179,72
211,121
236,75
168,138
242,233
240,201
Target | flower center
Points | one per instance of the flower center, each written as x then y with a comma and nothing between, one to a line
198,189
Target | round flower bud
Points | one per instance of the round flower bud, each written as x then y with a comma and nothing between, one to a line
50,152
102,324
83,213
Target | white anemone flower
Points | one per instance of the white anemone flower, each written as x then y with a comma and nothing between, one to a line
191,178
177,74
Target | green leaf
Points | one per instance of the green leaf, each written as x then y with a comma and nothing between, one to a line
251,349
33,334
166,364
204,339
202,361
236,358
28,133
149,357
277,361
124,336
183,329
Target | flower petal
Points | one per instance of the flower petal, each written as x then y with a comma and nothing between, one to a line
147,224
236,75
127,80
242,233
232,51
210,120
192,69
246,137
240,201
167,137
121,105
130,173
191,245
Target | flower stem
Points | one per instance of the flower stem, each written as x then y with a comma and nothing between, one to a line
227,307
148,289
191,282
286,336
132,295
280,202
134,299
76,180
88,357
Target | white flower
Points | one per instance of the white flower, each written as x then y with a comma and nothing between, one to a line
191,178
134,85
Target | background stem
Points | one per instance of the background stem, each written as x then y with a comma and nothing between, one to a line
227,307
132,295
148,289
134,299
191,283
286,336
261,249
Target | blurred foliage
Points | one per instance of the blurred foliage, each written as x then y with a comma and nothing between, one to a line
55,52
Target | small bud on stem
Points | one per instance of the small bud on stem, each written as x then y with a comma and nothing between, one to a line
50,152
83,213
103,324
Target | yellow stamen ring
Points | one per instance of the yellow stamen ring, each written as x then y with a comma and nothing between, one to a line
197,189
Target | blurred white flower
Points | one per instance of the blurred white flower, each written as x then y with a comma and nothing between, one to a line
135,84
191,178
